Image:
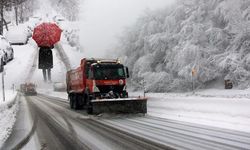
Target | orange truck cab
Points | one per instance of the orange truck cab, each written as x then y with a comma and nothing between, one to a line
99,85
99,79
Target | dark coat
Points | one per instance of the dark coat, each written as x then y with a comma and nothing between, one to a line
45,60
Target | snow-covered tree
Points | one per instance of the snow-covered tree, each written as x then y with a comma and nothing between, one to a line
68,8
212,37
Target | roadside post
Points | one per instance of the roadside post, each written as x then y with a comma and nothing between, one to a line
144,88
3,89
13,88
193,74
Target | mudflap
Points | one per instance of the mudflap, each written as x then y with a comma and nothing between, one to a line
126,105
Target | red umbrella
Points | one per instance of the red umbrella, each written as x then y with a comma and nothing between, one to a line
46,34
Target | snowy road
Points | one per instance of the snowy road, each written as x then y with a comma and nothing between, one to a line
58,127
48,123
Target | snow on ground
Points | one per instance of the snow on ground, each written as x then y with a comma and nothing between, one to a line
219,108
16,72
8,110
215,107
224,93
17,69
50,92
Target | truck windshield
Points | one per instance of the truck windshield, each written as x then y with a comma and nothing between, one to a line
108,72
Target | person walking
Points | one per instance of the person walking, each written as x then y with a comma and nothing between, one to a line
45,62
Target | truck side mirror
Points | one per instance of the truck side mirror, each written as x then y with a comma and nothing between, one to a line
127,72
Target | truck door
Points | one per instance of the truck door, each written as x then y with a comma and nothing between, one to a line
90,77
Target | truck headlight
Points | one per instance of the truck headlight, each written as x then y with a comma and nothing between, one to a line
125,88
121,82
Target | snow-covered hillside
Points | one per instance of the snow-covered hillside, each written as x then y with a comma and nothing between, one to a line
212,37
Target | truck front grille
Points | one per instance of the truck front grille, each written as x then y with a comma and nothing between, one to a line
108,88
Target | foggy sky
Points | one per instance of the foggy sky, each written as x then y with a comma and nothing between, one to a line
103,20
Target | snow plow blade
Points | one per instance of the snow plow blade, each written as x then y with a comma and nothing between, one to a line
123,105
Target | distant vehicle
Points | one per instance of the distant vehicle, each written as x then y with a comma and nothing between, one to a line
28,89
59,86
18,35
6,50
99,85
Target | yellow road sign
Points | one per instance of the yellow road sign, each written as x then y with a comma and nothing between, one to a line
193,72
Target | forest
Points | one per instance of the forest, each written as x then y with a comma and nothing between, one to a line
212,38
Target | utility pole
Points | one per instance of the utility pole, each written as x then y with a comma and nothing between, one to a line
3,88
1,14
16,13
13,88
144,88
193,74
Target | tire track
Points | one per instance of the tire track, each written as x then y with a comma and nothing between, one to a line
64,139
22,143
179,135
119,137
30,72
166,131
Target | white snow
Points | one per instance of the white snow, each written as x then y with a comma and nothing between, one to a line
15,73
210,37
18,34
220,108
18,69
8,109
227,109
50,92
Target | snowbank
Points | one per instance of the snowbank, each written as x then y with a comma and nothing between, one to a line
220,108
8,110
9,99
16,73
224,93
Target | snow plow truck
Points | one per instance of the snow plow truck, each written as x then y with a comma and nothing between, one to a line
99,86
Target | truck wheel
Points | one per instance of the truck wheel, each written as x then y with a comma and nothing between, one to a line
76,103
79,99
71,102
88,104
89,109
